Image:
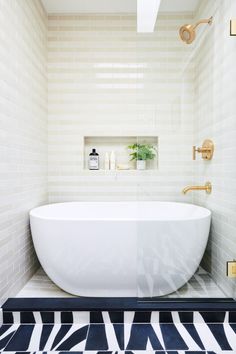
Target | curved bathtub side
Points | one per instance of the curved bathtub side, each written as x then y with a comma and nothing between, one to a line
88,258
120,258
169,255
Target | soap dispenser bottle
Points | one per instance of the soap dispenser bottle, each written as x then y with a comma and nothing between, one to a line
93,160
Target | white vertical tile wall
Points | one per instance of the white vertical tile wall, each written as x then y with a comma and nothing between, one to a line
215,90
105,79
23,136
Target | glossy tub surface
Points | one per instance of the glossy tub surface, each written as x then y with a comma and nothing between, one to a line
120,249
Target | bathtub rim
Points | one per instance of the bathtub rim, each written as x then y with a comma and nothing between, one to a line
204,212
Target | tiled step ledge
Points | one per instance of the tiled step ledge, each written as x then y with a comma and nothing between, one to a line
117,304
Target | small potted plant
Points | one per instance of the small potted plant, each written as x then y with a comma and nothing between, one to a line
141,153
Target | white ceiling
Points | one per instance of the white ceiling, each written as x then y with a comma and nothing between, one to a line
112,6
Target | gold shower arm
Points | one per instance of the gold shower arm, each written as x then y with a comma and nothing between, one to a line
208,20
188,32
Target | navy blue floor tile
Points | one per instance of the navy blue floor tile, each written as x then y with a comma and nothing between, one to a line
165,317
4,339
96,317
60,335
107,352
213,317
69,352
48,317
8,317
27,318
77,337
97,337
116,316
66,317
219,334
45,335
21,339
120,337
142,317
194,334
172,338
186,317
139,336
232,316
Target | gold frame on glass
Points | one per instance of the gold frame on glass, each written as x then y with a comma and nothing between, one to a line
233,27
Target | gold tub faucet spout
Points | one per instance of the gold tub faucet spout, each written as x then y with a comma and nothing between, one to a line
207,188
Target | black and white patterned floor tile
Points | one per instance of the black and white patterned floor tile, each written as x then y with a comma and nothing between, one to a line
115,332
120,352
119,317
149,337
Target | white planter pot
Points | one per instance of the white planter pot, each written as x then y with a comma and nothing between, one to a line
141,165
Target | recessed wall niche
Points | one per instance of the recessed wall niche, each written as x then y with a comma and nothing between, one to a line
118,144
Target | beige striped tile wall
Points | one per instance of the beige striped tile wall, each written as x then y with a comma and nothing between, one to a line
23,136
216,119
105,79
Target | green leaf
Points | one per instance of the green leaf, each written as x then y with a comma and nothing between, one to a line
142,152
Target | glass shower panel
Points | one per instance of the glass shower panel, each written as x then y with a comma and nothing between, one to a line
159,256
181,110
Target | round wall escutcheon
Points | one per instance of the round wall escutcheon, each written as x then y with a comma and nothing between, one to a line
208,149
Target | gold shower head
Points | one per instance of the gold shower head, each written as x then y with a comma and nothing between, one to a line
187,32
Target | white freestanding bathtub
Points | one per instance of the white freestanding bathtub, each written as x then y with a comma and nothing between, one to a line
120,249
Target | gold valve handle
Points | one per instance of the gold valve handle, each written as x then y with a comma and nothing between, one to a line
207,150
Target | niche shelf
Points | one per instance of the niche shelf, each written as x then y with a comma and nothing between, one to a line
119,144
